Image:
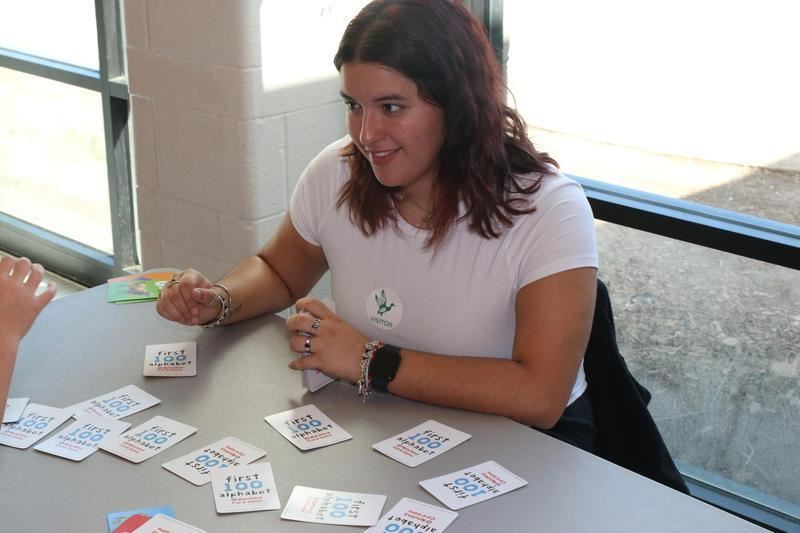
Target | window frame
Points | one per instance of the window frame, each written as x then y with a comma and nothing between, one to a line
718,229
62,255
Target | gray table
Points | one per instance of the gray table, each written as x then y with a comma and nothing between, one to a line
82,347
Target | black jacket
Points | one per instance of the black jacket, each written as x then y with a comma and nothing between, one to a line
626,433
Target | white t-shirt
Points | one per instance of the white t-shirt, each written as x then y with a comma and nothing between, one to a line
459,300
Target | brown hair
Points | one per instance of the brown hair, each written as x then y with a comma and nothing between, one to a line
440,46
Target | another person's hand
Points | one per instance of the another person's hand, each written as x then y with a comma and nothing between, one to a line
334,347
188,299
19,303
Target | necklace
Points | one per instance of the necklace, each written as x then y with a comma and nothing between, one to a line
427,219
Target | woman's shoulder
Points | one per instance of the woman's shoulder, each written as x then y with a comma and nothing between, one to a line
327,171
553,186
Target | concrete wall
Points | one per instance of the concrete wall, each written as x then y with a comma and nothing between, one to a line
230,101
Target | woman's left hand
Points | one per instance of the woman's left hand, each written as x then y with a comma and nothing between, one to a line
326,342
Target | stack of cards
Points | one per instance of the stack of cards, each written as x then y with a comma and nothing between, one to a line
307,427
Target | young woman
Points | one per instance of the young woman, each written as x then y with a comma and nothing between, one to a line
463,265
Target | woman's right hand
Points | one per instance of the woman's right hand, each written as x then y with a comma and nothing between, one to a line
188,298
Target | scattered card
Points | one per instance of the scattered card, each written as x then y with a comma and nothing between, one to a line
161,523
148,439
307,427
196,466
474,485
245,488
412,515
118,404
178,359
128,521
36,422
421,443
14,408
323,506
82,438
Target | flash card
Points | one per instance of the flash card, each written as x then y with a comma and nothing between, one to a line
81,438
36,422
412,515
128,521
313,379
14,408
196,466
307,427
245,488
148,439
323,506
171,360
164,524
474,485
421,443
118,404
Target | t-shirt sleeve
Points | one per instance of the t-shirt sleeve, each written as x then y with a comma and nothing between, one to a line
316,192
558,236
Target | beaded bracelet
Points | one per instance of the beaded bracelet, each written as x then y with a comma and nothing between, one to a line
364,383
224,310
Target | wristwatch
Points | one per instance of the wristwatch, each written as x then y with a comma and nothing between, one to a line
384,365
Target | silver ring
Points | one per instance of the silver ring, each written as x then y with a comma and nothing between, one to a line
315,324
308,345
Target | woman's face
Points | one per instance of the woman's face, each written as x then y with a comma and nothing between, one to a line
397,131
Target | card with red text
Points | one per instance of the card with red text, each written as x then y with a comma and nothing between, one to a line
245,488
117,404
196,466
412,515
421,443
473,485
148,439
174,360
82,438
324,506
307,427
36,422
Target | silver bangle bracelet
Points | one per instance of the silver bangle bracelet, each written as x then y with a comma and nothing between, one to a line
224,312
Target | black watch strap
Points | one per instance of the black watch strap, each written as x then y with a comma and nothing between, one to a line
383,367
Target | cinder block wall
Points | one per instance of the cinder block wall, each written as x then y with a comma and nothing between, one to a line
222,126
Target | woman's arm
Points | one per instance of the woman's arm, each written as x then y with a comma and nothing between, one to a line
553,322
285,269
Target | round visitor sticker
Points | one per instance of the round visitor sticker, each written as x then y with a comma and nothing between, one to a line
384,308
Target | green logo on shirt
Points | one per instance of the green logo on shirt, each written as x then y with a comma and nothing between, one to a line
383,304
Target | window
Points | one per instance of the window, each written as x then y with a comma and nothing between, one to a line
680,121
65,182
